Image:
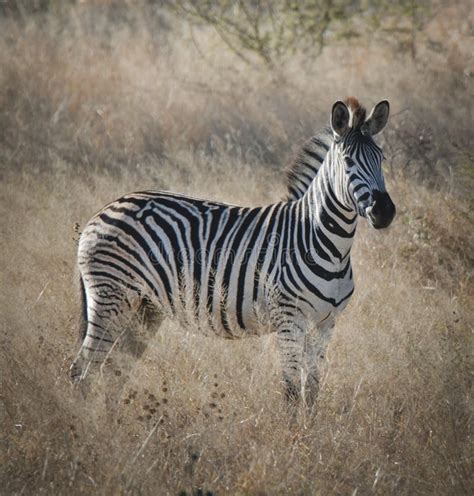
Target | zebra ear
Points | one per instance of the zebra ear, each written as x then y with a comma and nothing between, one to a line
339,118
377,119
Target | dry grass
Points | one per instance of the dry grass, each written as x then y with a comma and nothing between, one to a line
89,111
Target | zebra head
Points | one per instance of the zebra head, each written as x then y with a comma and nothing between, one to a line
357,160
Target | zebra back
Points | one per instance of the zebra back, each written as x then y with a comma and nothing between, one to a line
301,172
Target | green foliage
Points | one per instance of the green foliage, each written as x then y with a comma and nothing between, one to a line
271,30
25,8
274,30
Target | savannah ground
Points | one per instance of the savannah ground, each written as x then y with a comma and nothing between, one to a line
98,100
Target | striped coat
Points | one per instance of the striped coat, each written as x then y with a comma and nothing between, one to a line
238,271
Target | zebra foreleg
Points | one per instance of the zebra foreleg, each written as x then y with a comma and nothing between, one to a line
302,352
291,339
316,342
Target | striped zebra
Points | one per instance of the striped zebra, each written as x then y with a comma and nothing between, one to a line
240,271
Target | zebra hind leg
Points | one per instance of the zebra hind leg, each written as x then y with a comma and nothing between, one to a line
103,311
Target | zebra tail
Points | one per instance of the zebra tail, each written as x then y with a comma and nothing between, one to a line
83,313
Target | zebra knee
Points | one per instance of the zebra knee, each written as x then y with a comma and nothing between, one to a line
292,387
81,365
96,345
311,389
292,394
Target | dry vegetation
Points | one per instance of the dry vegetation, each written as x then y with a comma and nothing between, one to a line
95,103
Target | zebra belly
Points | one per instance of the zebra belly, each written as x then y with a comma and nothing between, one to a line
221,309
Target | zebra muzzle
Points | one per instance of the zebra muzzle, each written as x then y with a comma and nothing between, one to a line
382,211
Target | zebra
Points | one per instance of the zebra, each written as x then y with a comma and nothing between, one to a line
242,271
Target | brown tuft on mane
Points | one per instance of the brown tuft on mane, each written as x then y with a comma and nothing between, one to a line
357,111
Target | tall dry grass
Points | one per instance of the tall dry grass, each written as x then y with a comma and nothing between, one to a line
92,107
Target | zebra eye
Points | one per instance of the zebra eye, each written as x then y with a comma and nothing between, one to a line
349,162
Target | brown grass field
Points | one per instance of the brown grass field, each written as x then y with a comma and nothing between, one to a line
93,106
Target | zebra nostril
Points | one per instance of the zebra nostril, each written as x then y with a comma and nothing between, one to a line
375,210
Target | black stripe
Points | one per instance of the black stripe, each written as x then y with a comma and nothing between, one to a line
244,265
234,214
133,233
313,155
237,240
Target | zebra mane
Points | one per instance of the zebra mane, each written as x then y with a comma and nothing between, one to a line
304,168
357,112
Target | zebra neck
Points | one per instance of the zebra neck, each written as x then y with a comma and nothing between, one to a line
332,224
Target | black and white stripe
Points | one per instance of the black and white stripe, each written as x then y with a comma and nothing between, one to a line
237,271
308,161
